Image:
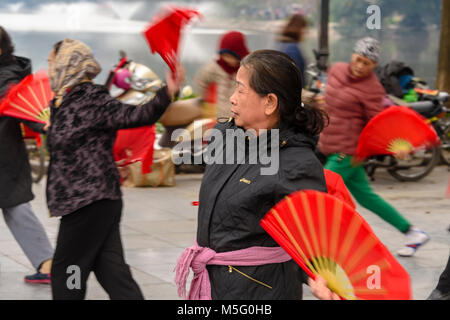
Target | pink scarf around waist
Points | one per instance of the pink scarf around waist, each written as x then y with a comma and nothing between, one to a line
198,258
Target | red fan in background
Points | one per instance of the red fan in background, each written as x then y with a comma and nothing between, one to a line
395,130
164,32
327,237
29,99
336,187
134,145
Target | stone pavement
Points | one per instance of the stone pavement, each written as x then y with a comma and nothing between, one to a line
159,223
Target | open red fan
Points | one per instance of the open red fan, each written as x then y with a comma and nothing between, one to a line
164,32
327,237
393,130
29,99
134,145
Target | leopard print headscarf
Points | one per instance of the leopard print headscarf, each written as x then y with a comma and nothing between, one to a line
73,65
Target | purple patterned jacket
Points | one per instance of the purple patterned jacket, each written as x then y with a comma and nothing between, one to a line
80,141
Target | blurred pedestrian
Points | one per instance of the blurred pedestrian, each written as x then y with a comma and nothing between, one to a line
222,70
83,185
353,96
290,38
15,172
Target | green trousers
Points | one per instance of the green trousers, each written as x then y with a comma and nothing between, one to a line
357,183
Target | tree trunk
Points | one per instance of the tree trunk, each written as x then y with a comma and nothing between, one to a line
443,77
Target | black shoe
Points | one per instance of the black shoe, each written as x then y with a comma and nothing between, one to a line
438,295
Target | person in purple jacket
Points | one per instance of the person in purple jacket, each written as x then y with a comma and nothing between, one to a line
83,186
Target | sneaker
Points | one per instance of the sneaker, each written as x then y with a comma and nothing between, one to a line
38,278
415,238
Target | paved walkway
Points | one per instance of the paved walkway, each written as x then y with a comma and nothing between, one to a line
159,223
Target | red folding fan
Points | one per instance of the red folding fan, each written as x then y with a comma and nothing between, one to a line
164,32
393,130
29,99
327,237
134,145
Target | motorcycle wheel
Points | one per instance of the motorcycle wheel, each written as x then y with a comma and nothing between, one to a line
36,156
417,166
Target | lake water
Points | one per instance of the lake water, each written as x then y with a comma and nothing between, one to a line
107,32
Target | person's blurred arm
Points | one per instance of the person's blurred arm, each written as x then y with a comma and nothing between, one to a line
373,102
113,114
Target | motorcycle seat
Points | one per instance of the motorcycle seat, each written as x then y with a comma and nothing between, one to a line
422,107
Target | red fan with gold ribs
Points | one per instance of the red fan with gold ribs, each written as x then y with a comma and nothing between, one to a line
29,99
327,237
396,129
163,34
134,145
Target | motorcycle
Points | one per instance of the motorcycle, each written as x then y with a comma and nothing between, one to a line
422,161
137,84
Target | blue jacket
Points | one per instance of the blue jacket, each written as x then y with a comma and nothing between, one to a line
293,50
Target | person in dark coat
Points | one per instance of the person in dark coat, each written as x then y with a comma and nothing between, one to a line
234,197
83,184
15,171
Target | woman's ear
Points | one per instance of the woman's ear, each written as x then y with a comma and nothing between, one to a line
271,104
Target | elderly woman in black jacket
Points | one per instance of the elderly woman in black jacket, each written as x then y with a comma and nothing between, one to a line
242,261
15,172
83,184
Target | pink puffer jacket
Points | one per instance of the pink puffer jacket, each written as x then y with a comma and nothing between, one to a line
350,103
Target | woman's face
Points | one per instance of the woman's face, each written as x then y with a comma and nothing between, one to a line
361,66
250,110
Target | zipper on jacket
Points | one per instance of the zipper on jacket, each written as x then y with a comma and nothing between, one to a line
231,268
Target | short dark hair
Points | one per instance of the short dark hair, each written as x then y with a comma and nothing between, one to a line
6,46
275,72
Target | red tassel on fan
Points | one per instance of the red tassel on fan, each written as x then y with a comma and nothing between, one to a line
29,99
396,129
134,145
327,237
164,32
